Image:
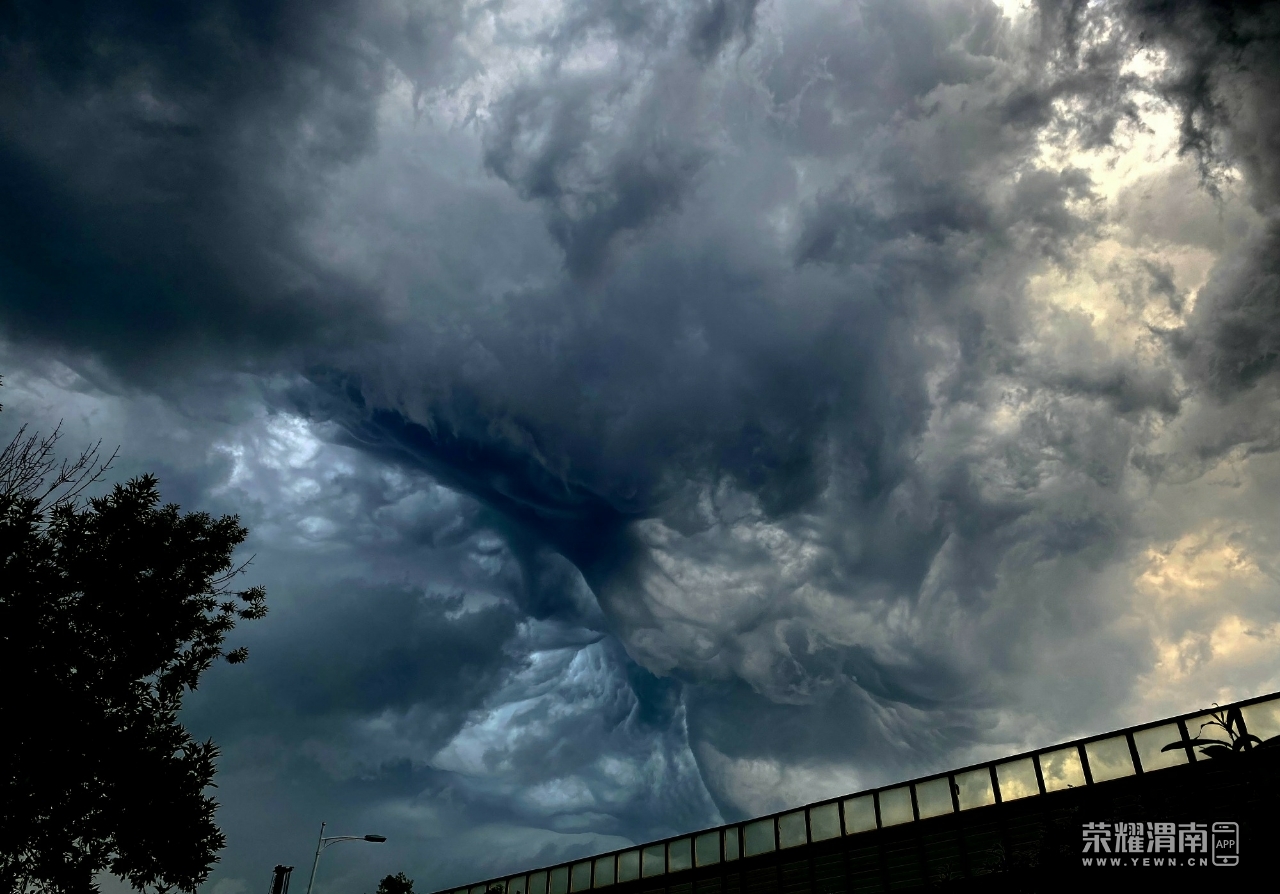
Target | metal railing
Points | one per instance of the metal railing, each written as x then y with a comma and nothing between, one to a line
1092,760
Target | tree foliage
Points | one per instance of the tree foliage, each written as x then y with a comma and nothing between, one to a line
395,884
110,610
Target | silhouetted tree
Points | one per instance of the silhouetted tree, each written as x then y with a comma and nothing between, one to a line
395,884
110,610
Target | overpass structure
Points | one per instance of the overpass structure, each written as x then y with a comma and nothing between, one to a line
1197,795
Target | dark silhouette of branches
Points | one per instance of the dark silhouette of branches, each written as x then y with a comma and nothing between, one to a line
30,470
395,884
111,609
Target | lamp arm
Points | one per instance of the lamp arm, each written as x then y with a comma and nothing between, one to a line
334,839
324,842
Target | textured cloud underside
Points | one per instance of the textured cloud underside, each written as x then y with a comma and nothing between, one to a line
655,413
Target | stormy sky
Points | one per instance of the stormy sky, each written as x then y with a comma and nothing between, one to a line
650,414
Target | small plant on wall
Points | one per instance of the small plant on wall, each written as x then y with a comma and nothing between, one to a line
1238,738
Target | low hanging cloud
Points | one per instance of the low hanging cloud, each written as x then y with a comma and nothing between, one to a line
705,407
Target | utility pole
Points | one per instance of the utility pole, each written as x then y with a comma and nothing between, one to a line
334,839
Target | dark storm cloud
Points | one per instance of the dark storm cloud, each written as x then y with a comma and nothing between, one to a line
659,379
382,649
423,671
611,147
157,160
744,395
1234,337
1223,62
1223,67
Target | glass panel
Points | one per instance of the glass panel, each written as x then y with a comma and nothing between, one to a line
538,883
757,838
1205,728
706,848
859,814
1109,759
604,871
791,831
560,880
629,866
678,856
517,886
479,889
1150,743
1263,719
731,843
824,822
654,860
1017,779
974,789
1211,727
933,798
1061,769
895,806
580,877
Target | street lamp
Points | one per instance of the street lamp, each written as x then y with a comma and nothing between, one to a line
334,839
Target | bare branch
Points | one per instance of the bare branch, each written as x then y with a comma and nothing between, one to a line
30,471
222,583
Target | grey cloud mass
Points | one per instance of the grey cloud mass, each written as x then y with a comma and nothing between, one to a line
652,414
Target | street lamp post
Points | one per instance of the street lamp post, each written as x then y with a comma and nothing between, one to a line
334,839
